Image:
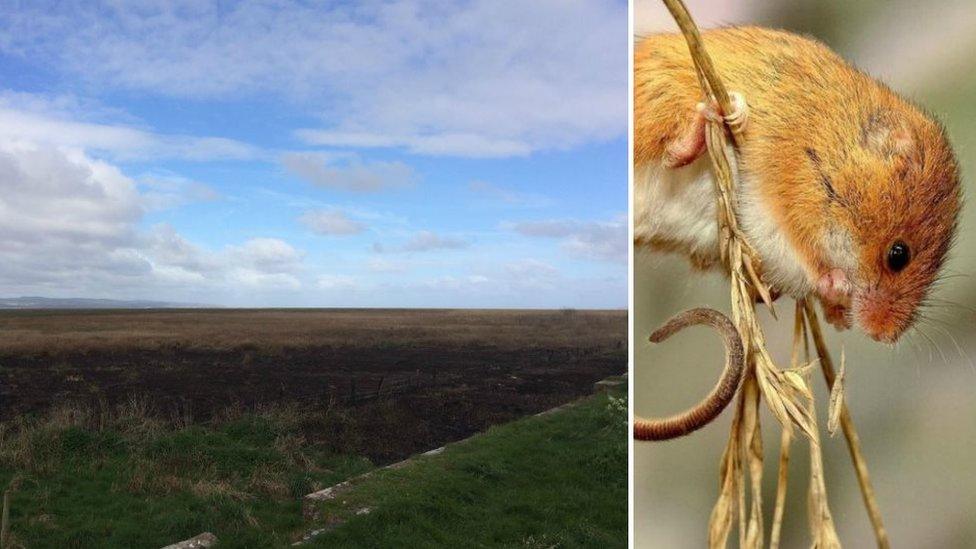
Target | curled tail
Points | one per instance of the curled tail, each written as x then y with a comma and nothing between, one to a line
711,406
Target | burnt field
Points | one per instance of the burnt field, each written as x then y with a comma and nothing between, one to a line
413,379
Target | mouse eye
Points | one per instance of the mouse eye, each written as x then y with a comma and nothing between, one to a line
898,256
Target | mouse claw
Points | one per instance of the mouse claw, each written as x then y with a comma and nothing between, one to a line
736,120
709,111
739,117
691,145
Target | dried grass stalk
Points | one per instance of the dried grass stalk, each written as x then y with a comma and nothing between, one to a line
822,531
799,341
781,483
837,397
787,393
850,433
729,487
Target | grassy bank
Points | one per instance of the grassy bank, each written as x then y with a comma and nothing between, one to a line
132,477
127,477
558,480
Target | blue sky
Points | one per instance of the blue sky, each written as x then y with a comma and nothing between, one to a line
393,154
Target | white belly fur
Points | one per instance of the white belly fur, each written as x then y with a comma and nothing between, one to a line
678,206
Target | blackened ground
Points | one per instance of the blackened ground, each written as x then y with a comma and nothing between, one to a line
404,398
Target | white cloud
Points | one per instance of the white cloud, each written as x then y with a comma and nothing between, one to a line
177,256
469,283
518,281
348,173
531,268
528,274
71,226
587,239
507,196
162,192
63,196
266,263
425,241
337,282
331,222
480,78
382,265
445,144
60,122
267,255
499,288
66,220
419,241
257,279
552,228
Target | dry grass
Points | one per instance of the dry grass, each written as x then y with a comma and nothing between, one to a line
61,332
41,444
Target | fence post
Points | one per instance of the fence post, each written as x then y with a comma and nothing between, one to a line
5,521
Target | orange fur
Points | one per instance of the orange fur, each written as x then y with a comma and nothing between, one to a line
837,157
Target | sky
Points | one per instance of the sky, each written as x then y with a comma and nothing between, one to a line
316,154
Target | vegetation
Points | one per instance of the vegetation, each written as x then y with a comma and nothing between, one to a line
53,332
452,373
129,478
558,480
141,428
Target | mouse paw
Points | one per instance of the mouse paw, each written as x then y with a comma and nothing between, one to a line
834,291
737,119
837,316
688,148
834,288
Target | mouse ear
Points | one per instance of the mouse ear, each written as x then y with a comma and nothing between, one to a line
886,136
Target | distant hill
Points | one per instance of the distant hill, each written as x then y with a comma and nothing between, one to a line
32,302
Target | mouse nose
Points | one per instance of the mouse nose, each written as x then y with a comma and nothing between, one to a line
884,335
882,318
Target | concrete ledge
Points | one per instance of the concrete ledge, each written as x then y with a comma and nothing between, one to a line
330,524
205,539
312,502
609,384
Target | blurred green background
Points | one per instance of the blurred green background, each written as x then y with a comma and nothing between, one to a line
914,404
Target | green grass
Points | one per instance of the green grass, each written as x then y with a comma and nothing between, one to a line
129,480
553,481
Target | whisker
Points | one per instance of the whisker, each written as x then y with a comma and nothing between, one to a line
950,276
932,341
916,350
921,316
962,354
946,302
916,331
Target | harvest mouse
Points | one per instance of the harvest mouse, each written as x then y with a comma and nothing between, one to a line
847,191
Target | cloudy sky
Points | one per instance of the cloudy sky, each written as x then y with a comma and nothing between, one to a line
276,153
